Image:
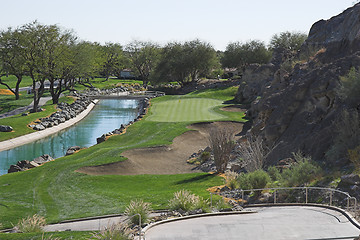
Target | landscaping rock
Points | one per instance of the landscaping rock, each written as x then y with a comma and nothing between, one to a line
43,159
4,128
72,150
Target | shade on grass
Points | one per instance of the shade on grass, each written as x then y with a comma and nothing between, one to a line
186,110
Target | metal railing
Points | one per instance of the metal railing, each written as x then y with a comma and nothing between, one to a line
343,200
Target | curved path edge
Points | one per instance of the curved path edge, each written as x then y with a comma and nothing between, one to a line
347,214
28,138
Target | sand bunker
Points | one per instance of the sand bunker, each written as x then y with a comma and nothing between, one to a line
164,159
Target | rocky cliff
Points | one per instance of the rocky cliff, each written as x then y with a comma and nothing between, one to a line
297,109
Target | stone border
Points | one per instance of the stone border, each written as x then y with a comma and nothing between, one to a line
28,138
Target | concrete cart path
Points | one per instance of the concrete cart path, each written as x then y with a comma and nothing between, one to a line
271,223
15,142
19,110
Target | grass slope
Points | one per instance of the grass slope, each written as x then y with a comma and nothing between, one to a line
57,192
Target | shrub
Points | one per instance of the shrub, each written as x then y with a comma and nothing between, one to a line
231,180
204,156
300,173
221,204
43,237
138,207
31,224
186,201
222,144
254,180
114,232
350,87
274,173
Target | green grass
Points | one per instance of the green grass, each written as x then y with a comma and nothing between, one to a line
8,102
186,110
57,192
11,81
19,123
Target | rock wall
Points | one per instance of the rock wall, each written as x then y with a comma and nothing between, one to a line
297,110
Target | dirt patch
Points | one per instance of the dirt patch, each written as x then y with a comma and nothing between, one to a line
234,108
165,159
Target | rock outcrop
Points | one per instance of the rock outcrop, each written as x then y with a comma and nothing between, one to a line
297,110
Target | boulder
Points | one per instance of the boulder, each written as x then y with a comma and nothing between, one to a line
4,128
101,139
72,150
14,168
43,159
350,179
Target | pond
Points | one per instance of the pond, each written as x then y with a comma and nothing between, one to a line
106,116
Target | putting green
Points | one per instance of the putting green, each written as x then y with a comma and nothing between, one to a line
185,110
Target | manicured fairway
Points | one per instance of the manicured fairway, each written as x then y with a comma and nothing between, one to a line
186,110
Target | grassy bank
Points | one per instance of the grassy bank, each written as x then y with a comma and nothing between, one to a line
19,123
57,192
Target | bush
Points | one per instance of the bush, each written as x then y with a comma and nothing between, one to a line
221,204
350,87
31,224
231,180
114,232
205,156
254,180
138,207
274,173
186,201
300,173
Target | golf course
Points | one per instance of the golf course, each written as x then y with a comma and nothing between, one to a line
67,189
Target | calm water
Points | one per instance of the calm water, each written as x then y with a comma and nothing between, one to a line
107,115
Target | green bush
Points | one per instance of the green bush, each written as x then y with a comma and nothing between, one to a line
221,204
254,180
231,180
138,207
114,232
31,224
186,201
274,173
300,173
204,156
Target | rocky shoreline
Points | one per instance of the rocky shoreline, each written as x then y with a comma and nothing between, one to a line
66,112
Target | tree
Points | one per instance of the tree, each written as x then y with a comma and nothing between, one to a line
114,60
238,55
185,63
143,57
290,41
12,58
221,143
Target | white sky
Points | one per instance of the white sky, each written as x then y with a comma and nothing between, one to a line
216,21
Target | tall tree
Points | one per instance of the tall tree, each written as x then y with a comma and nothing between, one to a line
143,58
12,58
238,55
290,41
185,63
112,56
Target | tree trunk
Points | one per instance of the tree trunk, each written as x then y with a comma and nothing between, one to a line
37,94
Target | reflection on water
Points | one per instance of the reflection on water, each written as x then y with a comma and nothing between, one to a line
107,115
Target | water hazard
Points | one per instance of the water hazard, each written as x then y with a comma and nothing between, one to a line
107,115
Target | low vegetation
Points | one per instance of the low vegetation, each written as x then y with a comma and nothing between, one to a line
138,207
31,224
186,201
114,232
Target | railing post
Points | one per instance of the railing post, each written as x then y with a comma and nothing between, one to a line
306,195
348,203
211,200
331,193
274,196
242,194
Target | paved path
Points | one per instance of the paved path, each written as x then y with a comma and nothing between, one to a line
17,111
15,142
270,223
